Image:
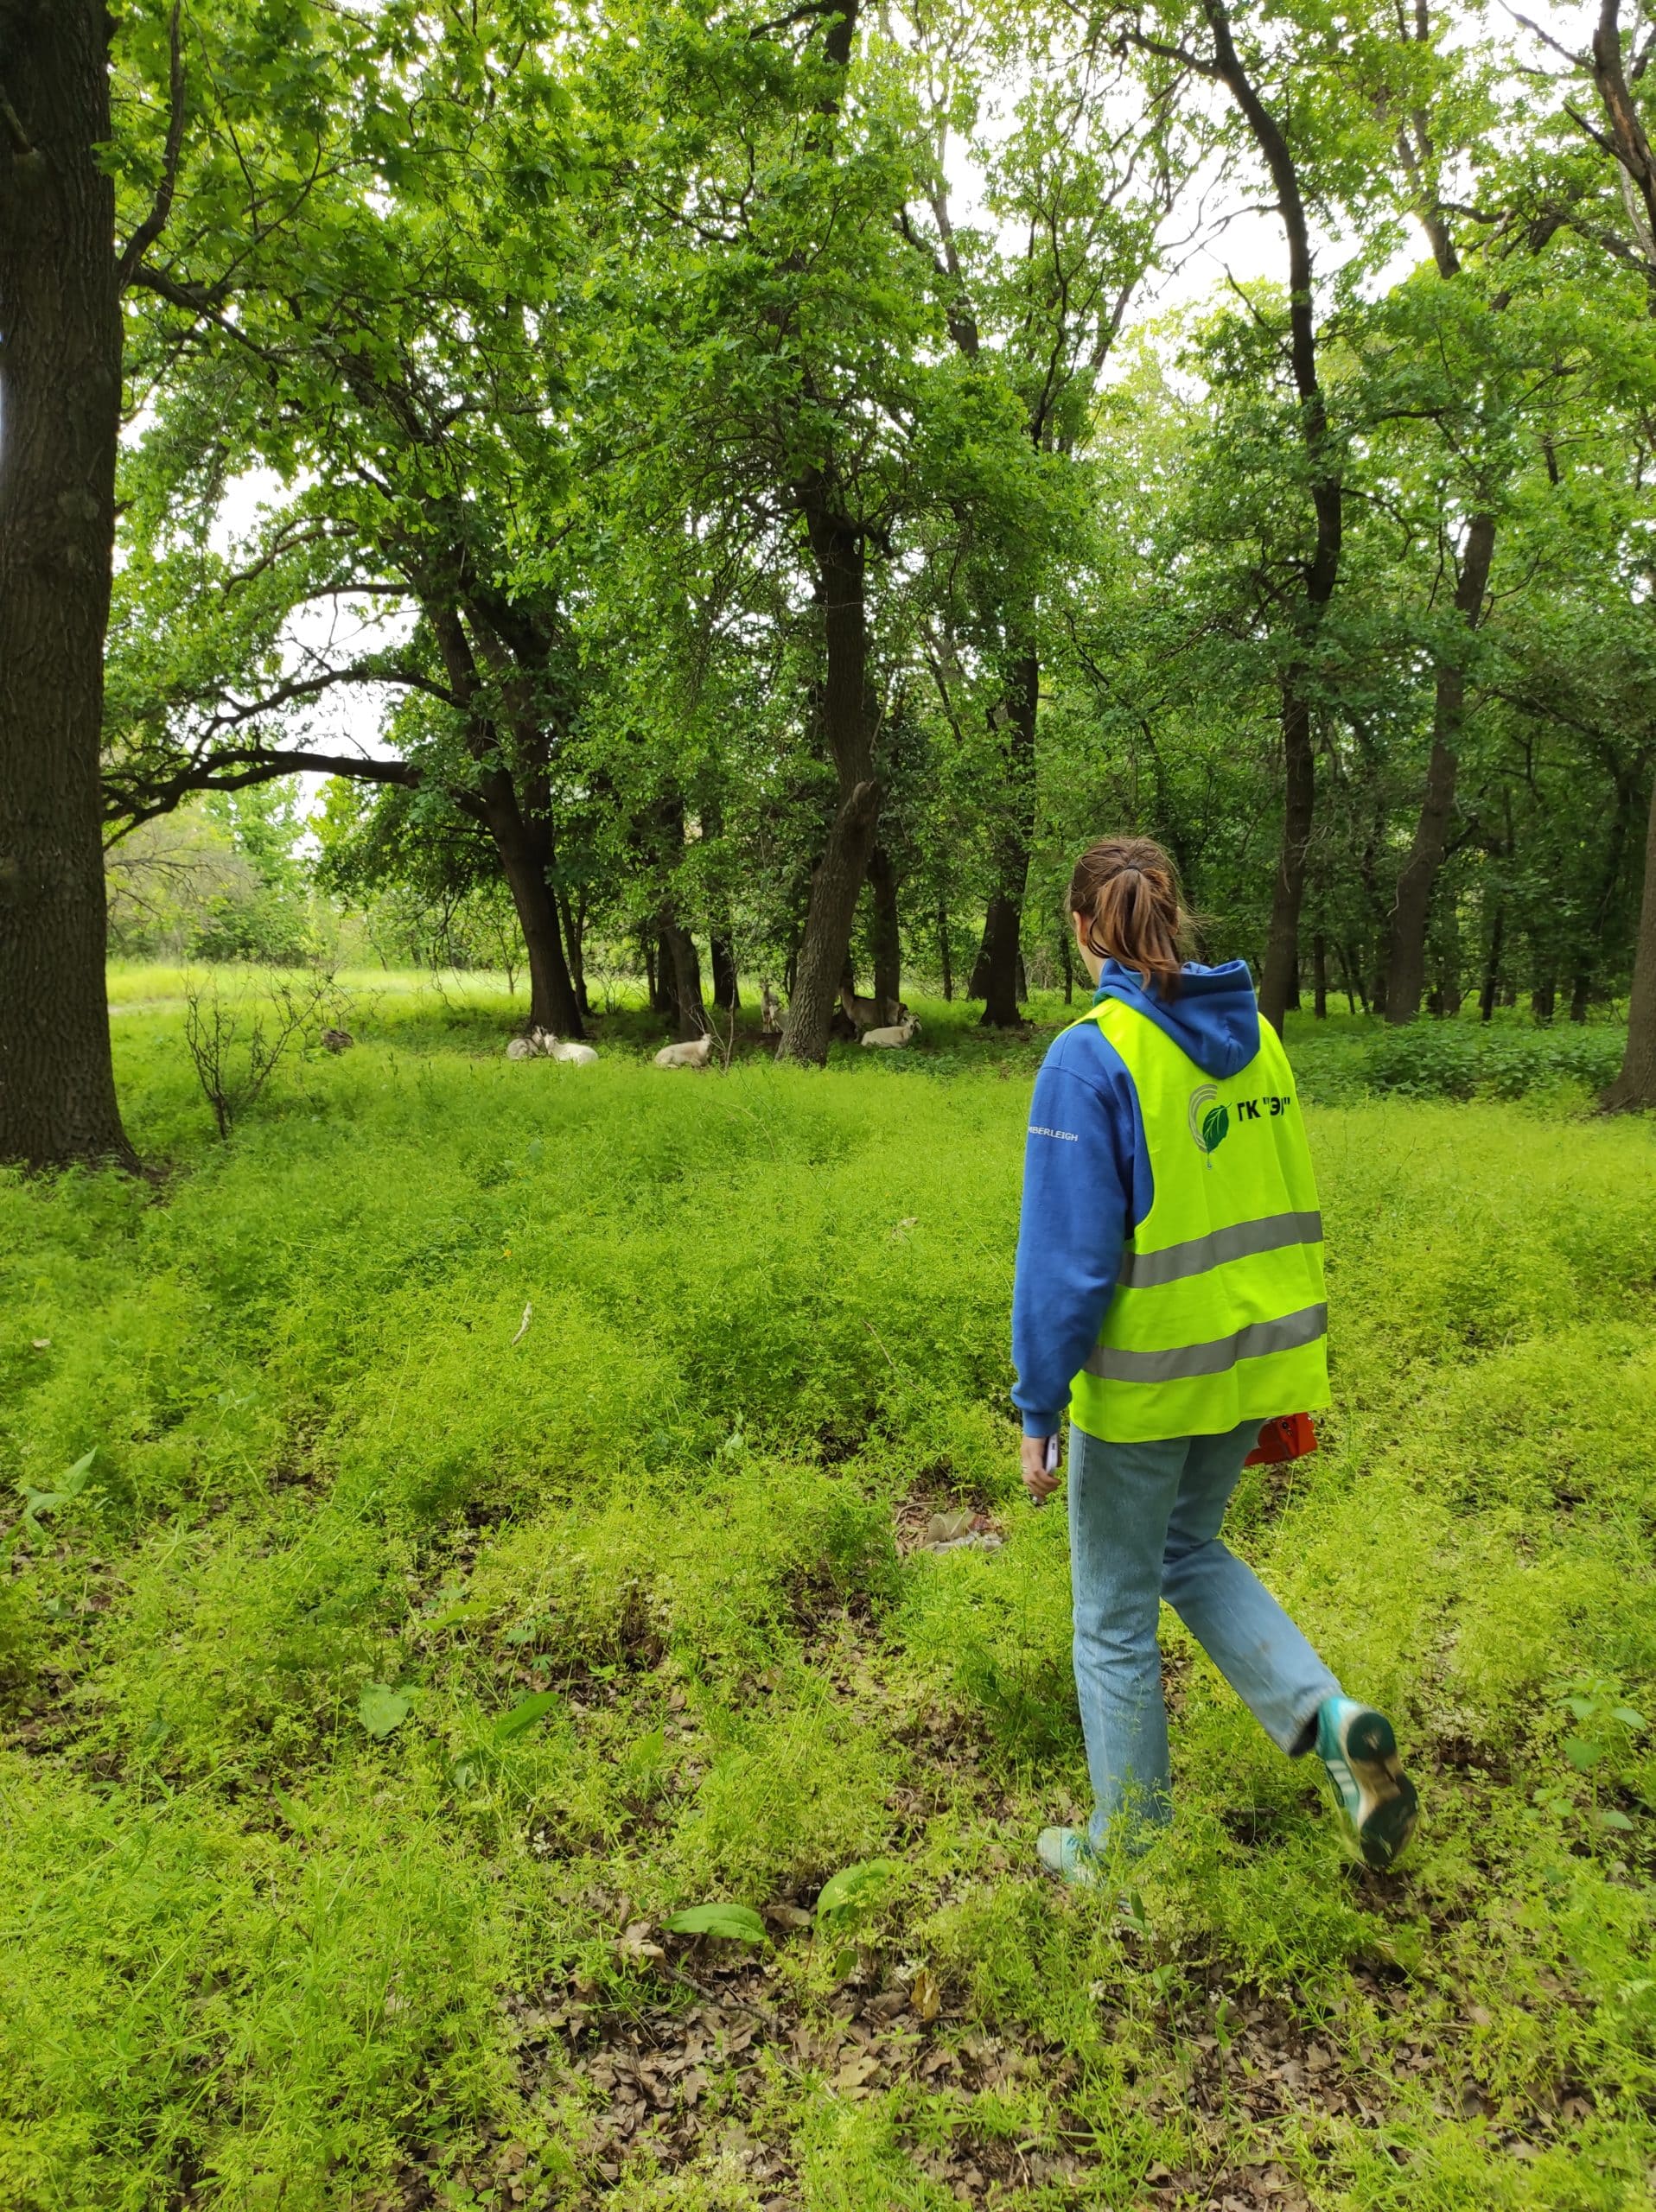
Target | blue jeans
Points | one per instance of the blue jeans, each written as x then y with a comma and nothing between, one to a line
1144,1525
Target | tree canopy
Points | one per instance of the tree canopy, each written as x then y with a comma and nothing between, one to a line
774,481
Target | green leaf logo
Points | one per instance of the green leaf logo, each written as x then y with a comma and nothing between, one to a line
1210,1122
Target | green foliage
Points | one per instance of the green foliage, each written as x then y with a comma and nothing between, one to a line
384,1676
1460,1059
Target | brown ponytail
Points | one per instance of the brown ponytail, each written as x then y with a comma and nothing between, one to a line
1127,893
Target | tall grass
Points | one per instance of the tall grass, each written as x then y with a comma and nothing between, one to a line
254,1953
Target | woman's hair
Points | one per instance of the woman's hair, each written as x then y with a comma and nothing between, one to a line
1126,891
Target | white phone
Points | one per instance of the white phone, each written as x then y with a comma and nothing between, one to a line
1051,1462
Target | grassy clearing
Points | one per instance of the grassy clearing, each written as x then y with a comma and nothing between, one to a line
255,1953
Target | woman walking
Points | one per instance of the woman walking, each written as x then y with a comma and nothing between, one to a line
1169,1294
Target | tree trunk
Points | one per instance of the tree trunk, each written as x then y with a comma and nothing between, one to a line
1544,999
1491,991
886,934
1319,976
1635,1086
1279,988
943,953
1406,963
60,401
685,972
837,880
524,857
1013,834
835,884
575,931
1067,961
727,994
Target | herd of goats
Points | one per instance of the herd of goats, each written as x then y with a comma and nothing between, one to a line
885,1025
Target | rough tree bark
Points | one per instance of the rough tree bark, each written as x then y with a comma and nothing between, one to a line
837,550
59,403
1406,971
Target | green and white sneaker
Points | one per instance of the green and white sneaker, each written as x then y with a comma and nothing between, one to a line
1358,1749
1066,1853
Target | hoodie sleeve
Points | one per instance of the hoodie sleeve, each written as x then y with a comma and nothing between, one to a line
1078,1165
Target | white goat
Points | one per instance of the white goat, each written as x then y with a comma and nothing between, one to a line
889,1039
694,1055
770,1013
546,1044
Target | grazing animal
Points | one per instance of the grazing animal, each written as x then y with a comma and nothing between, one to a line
520,1048
867,1013
861,1013
694,1055
338,1040
889,1039
770,1013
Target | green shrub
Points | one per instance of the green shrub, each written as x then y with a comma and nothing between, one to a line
1459,1059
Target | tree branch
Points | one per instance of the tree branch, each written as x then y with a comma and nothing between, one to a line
161,208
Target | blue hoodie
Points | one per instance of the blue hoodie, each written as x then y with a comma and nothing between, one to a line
1086,1172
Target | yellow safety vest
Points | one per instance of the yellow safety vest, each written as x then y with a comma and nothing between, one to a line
1219,1314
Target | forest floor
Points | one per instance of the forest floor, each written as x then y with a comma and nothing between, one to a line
506,1528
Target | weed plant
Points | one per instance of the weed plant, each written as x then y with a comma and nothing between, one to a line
490,1550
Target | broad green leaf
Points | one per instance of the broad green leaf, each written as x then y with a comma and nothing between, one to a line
1583,1754
75,1481
735,1923
1629,1719
524,1714
1608,1817
845,1897
468,1609
382,1709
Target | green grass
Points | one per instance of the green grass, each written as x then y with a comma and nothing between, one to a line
253,1954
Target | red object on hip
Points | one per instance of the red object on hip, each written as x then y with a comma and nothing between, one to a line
1289,1436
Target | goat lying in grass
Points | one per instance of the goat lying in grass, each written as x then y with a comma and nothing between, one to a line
887,1040
543,1044
696,1054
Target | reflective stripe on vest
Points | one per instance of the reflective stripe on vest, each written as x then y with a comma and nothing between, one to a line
1219,1315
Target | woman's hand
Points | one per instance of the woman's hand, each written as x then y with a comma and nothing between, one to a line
1038,1480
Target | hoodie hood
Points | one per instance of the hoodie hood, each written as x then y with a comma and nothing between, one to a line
1215,1018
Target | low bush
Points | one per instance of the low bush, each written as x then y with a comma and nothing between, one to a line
1464,1059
